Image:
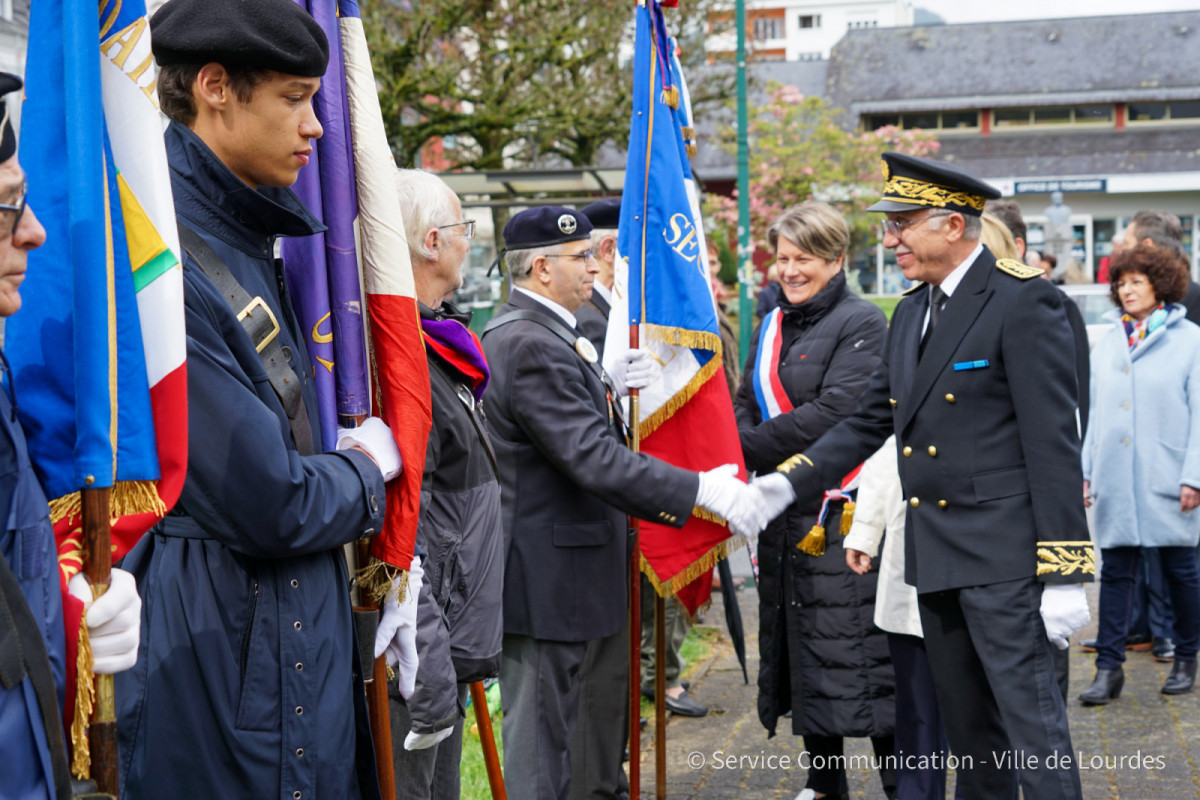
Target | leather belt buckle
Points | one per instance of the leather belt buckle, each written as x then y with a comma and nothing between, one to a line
248,311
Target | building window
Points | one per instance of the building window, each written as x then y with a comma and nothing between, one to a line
1052,115
927,120
1164,112
810,21
813,56
6,10
768,28
862,23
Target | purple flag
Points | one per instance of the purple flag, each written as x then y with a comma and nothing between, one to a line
322,270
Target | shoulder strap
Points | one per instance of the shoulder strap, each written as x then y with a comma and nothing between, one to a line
263,329
554,326
473,411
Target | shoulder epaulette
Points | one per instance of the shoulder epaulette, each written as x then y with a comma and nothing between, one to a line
907,292
1010,266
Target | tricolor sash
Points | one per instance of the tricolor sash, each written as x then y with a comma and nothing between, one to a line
768,390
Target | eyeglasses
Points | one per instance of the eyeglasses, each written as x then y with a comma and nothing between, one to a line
468,231
584,256
896,226
17,209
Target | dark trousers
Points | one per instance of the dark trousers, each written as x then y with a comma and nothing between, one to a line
826,773
676,627
919,730
432,773
539,691
1117,571
1151,614
994,675
602,729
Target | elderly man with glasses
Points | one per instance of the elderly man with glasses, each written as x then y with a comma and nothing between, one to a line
458,611
568,482
978,386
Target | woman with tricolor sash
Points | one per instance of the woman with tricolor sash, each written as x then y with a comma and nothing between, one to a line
822,658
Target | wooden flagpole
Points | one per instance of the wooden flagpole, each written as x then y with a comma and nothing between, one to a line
635,607
377,696
487,740
97,547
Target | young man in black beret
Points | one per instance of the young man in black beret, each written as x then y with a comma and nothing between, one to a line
250,682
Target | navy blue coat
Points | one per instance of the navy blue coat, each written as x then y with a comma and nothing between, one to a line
247,682
27,542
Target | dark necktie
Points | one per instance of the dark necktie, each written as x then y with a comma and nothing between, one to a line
936,299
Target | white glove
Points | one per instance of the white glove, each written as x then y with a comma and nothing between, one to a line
376,438
423,741
635,369
114,621
722,493
397,633
773,494
1064,611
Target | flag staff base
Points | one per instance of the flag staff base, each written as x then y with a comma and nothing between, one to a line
102,732
377,697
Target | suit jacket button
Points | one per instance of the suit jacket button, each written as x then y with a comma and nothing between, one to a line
914,502
942,504
932,451
892,400
949,398
907,451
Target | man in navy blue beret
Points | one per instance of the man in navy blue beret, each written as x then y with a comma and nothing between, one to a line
250,682
567,483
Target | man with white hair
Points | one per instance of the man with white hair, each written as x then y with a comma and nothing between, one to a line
458,613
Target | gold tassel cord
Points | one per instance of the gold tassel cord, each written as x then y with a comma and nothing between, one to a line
694,570
670,96
127,498
377,578
691,150
847,516
814,542
85,698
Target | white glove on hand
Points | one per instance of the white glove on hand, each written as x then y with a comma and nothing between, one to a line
423,741
376,438
1064,611
114,621
722,493
636,369
397,633
773,494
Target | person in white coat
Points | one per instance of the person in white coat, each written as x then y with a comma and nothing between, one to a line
920,738
1141,458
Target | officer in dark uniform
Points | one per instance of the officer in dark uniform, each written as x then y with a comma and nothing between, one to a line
978,385
567,483
605,216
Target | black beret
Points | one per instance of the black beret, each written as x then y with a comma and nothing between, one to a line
604,213
8,137
912,182
249,34
545,226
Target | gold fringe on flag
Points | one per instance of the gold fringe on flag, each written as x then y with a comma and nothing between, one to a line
689,132
85,699
701,340
377,579
670,96
847,516
691,150
814,542
127,497
694,570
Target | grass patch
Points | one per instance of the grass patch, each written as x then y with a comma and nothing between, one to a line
887,303
696,649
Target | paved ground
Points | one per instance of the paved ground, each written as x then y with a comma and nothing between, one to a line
1143,724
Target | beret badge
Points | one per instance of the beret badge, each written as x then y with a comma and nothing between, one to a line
566,224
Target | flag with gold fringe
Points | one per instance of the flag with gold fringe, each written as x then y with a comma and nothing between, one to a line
98,349
662,286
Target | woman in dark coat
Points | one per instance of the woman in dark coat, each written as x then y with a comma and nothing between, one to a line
822,658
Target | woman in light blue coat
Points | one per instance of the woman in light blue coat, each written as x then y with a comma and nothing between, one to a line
1141,458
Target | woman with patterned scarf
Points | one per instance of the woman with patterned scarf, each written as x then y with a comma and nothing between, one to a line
1141,458
822,658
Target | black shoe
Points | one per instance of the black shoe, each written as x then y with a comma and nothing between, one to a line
686,685
1181,679
1164,649
1106,686
642,723
1088,645
1139,641
685,706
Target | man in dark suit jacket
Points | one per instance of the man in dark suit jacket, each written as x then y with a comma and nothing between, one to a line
978,385
567,483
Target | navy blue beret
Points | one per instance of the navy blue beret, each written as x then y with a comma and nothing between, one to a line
8,136
912,183
248,34
545,226
604,213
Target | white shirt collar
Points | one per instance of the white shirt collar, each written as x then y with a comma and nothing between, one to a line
565,315
604,291
951,281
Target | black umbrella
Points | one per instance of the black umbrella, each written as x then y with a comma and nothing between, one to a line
733,614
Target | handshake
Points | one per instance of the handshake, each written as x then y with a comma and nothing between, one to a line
746,507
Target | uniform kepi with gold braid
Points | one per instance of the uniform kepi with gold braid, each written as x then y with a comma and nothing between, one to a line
911,182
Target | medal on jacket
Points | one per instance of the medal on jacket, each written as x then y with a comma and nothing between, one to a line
586,350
